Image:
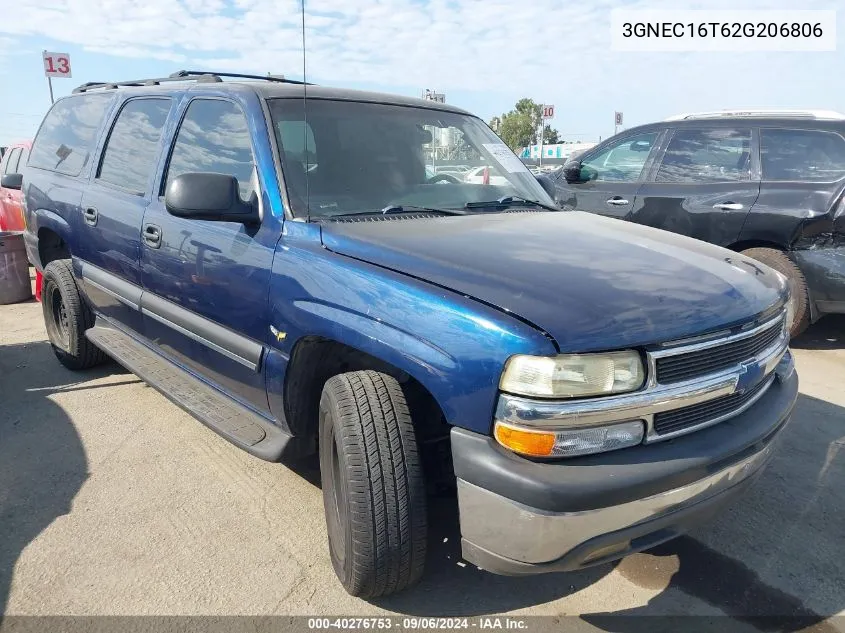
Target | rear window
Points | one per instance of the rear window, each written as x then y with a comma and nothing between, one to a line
65,142
802,155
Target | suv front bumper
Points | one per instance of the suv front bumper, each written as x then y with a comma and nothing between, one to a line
520,516
824,270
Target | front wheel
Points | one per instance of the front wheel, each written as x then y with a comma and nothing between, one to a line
800,298
373,487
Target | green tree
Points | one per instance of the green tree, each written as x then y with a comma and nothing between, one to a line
518,128
550,135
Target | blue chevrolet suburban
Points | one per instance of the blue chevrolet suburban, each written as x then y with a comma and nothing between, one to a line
274,258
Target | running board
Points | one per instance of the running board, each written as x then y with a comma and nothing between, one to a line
238,424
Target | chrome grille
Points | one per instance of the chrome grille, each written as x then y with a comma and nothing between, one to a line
685,366
710,412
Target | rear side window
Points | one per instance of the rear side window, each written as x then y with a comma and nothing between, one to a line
717,155
802,155
132,149
67,137
13,158
24,157
214,137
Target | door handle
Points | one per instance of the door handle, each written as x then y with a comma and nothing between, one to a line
91,215
617,202
729,206
152,235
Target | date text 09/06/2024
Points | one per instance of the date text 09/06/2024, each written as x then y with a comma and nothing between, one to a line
416,623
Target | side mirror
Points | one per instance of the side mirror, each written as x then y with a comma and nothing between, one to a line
572,171
208,197
548,185
11,181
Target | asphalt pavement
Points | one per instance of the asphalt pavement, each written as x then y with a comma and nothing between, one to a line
114,501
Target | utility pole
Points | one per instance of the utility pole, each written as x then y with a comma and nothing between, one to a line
542,130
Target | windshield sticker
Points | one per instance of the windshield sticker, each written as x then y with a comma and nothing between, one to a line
505,157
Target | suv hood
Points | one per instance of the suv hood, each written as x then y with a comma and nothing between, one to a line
592,283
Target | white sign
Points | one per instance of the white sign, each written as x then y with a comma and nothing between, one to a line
505,157
56,65
617,118
432,95
548,112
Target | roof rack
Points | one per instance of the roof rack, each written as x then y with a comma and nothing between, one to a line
798,114
200,76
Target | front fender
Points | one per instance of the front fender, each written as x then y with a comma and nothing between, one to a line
454,346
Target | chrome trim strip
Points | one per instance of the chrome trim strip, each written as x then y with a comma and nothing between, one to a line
522,533
632,406
655,437
199,339
696,347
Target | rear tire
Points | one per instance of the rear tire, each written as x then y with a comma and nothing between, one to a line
373,486
797,284
66,317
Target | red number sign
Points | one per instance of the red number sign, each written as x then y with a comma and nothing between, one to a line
548,112
56,65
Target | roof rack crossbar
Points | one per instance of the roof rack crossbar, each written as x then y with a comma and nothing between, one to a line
278,78
182,75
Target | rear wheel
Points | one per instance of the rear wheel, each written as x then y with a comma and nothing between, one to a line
373,487
800,301
66,317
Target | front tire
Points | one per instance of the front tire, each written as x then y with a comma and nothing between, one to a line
800,301
373,486
66,317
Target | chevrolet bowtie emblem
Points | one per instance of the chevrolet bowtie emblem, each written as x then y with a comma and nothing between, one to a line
750,376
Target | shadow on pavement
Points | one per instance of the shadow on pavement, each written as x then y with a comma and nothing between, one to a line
42,461
827,333
786,528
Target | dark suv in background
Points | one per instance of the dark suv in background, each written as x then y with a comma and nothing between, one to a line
767,184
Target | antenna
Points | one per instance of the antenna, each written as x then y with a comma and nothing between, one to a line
305,123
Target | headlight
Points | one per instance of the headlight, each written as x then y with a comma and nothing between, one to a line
573,375
569,442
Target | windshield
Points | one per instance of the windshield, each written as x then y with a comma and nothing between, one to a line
355,157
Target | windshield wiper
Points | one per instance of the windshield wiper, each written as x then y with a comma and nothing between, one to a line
389,210
397,209
509,201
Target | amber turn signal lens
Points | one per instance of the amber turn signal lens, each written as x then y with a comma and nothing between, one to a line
533,443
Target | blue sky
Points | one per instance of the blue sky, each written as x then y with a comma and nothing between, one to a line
484,54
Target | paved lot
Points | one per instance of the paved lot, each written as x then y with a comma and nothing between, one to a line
114,501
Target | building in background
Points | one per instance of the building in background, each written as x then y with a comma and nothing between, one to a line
559,151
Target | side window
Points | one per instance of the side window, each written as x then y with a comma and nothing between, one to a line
22,160
214,137
716,155
12,162
802,155
68,134
622,161
132,148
